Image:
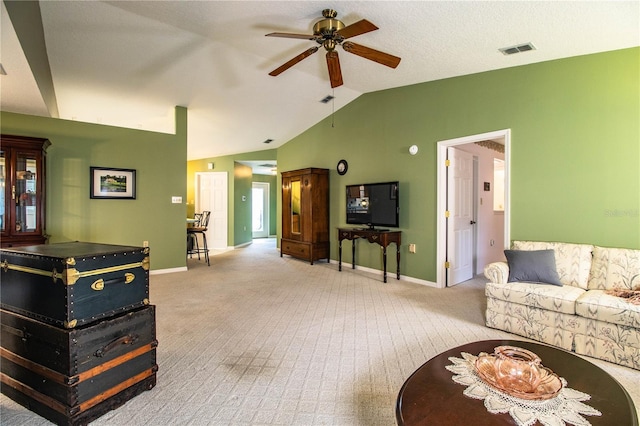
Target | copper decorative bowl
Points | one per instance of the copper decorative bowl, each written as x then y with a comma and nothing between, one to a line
519,373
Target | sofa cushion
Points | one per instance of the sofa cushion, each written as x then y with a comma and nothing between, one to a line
533,266
553,298
596,304
615,268
573,261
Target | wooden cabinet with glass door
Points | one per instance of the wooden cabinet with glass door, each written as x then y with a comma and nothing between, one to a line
22,181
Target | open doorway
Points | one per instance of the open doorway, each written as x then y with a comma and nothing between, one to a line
470,231
260,209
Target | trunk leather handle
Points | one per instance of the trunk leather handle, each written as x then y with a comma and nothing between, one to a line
16,332
99,284
128,339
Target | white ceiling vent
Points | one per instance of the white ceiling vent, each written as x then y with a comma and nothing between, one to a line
517,49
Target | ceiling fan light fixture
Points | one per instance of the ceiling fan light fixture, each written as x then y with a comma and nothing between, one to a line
328,26
329,45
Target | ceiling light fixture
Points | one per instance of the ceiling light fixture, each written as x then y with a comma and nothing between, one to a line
517,49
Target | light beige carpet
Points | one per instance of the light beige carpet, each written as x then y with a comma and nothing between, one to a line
257,339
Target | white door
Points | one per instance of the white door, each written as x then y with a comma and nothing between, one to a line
460,222
211,195
260,209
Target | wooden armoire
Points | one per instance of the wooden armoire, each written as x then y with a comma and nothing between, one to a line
305,214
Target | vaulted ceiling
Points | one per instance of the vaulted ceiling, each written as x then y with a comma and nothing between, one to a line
129,63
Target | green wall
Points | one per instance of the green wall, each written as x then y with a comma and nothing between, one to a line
160,163
575,150
575,161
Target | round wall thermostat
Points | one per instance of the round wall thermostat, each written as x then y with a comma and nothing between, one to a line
413,149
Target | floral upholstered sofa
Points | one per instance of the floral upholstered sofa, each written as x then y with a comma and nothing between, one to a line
583,312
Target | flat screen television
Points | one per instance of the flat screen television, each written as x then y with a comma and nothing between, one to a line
373,204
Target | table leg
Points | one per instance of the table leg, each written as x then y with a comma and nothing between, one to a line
384,262
398,260
353,254
340,255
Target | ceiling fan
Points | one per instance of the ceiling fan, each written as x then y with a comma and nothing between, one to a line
330,32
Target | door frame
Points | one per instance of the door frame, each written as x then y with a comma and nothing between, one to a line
441,229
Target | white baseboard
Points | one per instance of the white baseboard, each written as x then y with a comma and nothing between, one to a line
168,271
391,276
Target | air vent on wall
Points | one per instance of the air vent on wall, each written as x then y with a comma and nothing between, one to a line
326,99
268,141
517,49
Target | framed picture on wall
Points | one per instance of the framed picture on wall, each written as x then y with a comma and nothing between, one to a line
113,183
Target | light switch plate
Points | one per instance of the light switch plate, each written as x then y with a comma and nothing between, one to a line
176,200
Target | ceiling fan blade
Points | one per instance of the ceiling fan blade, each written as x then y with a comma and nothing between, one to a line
371,54
294,61
335,74
360,27
291,35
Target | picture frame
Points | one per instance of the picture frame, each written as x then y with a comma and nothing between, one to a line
112,183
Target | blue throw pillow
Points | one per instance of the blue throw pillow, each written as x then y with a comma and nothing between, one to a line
533,266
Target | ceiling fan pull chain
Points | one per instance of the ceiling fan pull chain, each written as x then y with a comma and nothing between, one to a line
333,107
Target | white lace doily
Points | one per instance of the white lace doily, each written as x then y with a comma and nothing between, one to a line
566,407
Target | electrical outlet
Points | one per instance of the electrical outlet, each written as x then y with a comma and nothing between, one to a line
145,244
412,248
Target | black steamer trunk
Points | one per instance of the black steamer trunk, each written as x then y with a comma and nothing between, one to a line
78,335
73,284
71,372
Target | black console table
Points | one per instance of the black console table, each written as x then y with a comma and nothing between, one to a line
384,238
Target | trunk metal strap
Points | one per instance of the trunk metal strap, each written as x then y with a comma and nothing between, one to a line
71,275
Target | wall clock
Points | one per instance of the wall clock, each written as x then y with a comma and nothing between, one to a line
342,167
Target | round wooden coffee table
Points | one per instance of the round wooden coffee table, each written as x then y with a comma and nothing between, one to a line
431,397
